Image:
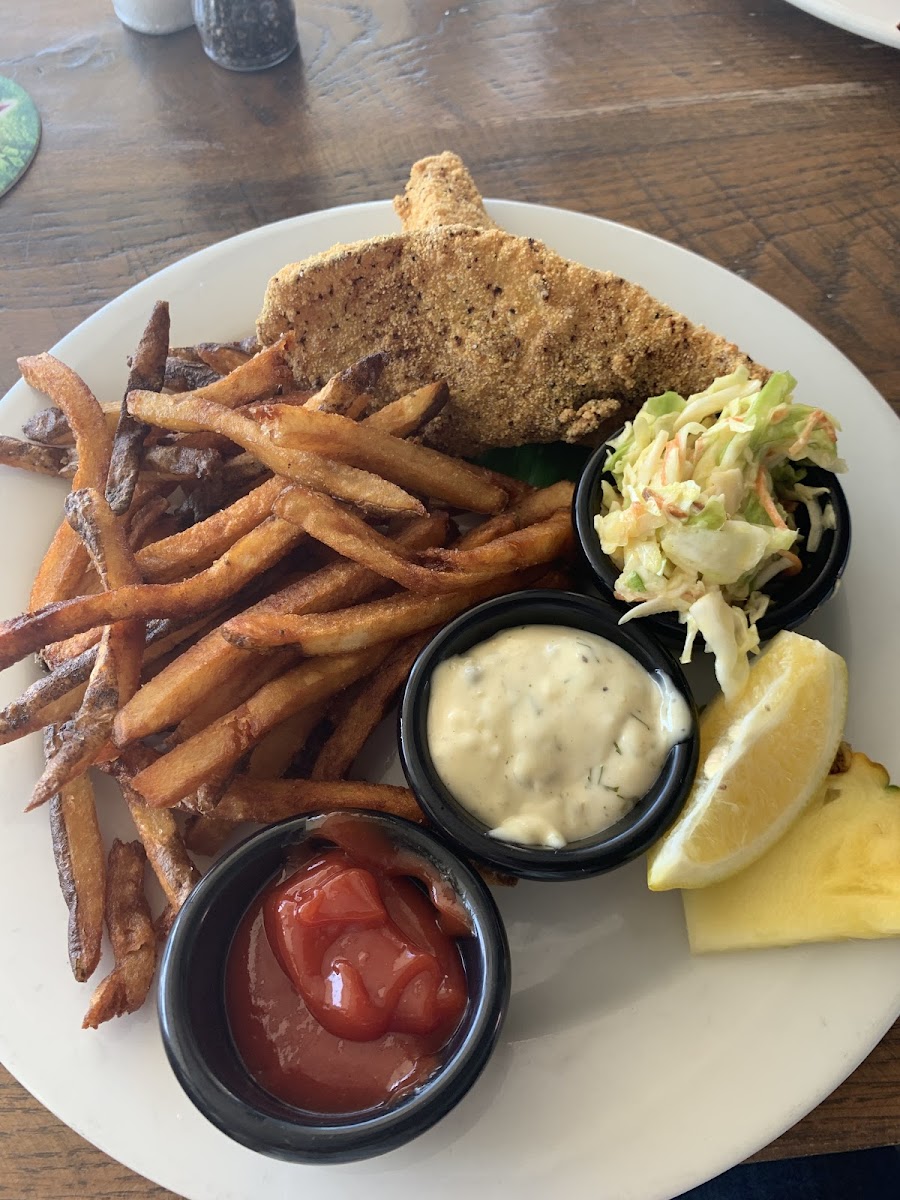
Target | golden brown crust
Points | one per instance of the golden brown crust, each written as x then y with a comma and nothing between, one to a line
534,348
440,191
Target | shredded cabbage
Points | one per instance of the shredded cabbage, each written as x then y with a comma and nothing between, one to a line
701,515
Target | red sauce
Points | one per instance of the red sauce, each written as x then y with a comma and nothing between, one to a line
344,983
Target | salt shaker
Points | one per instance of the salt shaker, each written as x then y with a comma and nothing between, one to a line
154,16
246,35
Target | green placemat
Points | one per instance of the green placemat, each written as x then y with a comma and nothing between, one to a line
20,132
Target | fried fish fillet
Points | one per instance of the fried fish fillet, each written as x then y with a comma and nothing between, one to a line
534,348
440,191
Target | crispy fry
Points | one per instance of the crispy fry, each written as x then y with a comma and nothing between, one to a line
81,866
350,536
29,456
191,413
233,691
66,560
246,559
177,464
254,379
200,546
369,706
410,413
223,357
148,371
348,391
144,518
57,696
186,375
538,543
208,665
132,935
273,755
426,472
528,510
227,740
160,836
267,800
116,672
84,415
351,629
49,427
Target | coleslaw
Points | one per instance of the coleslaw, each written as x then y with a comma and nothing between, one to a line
701,516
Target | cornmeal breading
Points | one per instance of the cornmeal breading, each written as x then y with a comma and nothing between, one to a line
534,348
440,191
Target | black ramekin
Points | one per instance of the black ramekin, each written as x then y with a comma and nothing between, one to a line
195,1028
603,851
794,598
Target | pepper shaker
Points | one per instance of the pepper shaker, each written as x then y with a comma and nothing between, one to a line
246,35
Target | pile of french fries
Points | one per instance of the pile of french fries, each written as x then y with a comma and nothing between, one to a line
243,579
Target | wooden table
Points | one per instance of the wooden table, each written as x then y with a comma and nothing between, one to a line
755,135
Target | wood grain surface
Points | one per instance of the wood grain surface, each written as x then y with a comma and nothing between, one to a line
753,134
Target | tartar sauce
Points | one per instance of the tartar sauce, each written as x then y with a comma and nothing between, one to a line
549,734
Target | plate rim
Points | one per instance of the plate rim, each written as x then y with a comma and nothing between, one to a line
877,1028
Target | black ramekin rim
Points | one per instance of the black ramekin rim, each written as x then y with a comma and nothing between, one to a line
604,851
793,600
269,1126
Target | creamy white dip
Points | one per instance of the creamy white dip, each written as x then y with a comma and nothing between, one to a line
549,734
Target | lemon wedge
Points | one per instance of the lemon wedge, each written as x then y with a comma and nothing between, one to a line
835,874
763,755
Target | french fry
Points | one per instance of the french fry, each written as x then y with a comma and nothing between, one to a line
348,391
247,558
210,663
116,672
233,691
199,547
49,427
352,629
410,413
159,834
532,507
368,706
179,464
268,800
66,560
416,468
183,375
144,519
206,833
540,542
84,414
57,696
223,357
227,740
190,413
253,379
148,371
272,756
30,456
132,935
81,866
351,537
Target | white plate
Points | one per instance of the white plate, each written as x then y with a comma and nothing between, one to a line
874,19
627,1070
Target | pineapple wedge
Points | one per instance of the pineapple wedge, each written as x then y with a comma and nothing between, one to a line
835,874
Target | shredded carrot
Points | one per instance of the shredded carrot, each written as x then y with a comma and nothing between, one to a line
767,502
794,559
815,419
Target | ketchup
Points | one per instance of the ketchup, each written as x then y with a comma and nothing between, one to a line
343,983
